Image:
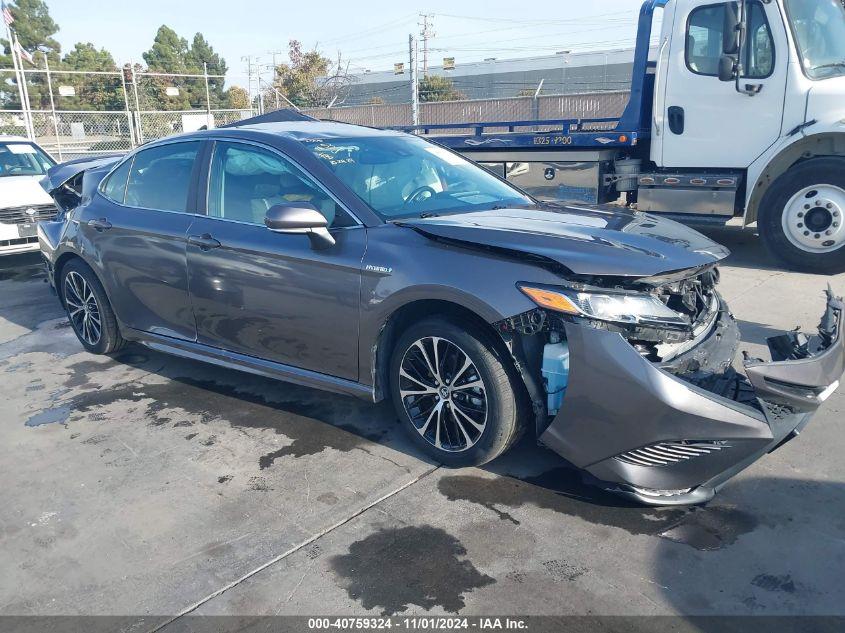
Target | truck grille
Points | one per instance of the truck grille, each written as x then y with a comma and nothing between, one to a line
28,214
668,453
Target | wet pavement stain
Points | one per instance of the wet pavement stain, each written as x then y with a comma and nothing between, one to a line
561,490
769,582
23,273
711,527
417,565
560,570
306,422
57,415
224,479
570,496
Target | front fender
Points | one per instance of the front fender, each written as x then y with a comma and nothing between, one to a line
818,139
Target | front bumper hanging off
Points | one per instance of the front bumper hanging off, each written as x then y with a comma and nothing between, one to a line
661,438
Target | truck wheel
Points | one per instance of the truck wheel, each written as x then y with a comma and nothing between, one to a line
458,400
801,217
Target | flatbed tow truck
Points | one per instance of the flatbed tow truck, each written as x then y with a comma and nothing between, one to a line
736,117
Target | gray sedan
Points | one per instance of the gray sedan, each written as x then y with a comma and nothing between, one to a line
377,264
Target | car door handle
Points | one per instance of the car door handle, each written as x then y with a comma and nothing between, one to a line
676,119
100,225
204,241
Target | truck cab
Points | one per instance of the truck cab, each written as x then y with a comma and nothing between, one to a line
755,89
736,116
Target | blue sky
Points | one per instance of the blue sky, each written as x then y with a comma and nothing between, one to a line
370,35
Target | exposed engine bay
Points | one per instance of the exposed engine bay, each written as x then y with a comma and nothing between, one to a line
700,418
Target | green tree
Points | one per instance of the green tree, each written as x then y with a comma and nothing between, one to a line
237,98
171,53
299,80
168,54
93,92
35,29
435,88
201,53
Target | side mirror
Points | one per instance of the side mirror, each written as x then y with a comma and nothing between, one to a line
300,218
727,68
732,31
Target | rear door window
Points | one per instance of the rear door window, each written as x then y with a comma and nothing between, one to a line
160,177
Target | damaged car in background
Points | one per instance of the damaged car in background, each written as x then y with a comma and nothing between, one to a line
377,264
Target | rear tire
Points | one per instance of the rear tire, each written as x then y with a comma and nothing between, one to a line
460,402
801,217
89,310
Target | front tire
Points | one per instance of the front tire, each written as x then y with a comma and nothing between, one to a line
801,217
88,309
458,399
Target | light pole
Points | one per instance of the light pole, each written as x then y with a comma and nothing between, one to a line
44,50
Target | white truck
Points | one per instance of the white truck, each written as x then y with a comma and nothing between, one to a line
736,117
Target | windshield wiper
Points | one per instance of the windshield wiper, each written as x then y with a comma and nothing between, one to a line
830,65
429,214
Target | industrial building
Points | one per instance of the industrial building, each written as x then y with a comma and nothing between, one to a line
562,73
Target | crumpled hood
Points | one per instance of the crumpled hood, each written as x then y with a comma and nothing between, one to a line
18,191
587,240
61,173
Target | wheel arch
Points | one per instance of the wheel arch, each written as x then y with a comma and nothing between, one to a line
824,145
412,312
61,262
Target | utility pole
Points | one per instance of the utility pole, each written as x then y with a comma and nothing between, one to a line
251,62
273,78
209,121
426,32
415,104
52,104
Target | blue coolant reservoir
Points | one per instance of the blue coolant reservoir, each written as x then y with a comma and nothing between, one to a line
555,371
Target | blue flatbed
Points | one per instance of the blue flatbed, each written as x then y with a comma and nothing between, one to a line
626,131
539,134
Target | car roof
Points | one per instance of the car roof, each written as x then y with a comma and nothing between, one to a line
6,138
297,131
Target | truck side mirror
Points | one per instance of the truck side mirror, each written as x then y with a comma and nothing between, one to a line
727,68
732,29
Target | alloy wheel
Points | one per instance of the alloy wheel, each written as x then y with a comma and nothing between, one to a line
443,394
82,308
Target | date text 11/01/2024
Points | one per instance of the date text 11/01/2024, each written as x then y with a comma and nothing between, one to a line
422,623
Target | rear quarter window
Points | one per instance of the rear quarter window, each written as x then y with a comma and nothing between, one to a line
115,186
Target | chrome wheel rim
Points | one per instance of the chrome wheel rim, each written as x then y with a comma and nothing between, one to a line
82,308
812,219
443,394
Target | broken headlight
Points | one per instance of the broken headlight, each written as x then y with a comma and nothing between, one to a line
619,307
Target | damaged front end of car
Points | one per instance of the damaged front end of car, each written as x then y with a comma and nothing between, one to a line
635,384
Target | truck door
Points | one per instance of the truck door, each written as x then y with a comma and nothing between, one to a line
706,122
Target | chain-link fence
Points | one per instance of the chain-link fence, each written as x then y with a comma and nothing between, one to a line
576,106
78,113
153,124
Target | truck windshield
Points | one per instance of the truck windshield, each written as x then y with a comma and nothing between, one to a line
23,159
819,30
404,176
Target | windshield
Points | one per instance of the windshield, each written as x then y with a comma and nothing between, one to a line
819,30
23,159
404,176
